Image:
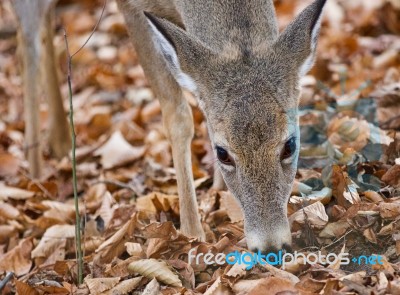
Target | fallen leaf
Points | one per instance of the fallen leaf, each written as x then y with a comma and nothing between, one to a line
124,287
117,152
18,260
314,213
14,193
53,239
273,286
156,269
232,206
99,285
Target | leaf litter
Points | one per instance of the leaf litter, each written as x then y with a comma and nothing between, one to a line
346,196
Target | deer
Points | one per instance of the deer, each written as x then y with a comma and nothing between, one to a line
245,75
37,55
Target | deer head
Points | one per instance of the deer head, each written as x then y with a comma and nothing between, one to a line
248,88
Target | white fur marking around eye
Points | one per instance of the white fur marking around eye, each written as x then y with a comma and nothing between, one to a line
170,56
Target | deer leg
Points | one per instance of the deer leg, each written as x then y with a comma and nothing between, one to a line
59,132
178,120
177,115
30,65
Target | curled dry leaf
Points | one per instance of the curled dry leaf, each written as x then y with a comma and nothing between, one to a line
117,152
334,229
14,193
54,238
324,196
152,288
18,260
115,245
124,287
314,213
8,212
158,202
392,176
273,285
9,165
352,133
158,269
344,189
243,287
237,271
229,202
106,210
300,188
99,285
374,197
134,249
389,210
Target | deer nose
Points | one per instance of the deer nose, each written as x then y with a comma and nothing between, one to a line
286,248
269,240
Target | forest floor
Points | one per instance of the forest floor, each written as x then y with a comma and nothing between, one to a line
346,198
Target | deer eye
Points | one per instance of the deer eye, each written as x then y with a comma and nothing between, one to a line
223,156
289,148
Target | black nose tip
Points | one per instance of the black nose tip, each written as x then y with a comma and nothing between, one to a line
286,248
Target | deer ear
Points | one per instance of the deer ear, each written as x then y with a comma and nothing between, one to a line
181,52
299,40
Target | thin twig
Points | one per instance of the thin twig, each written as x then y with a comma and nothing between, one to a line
74,179
93,31
7,278
334,242
78,242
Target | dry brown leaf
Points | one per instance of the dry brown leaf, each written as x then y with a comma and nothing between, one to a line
314,213
9,165
157,202
389,210
232,206
25,289
106,210
6,232
346,132
152,288
300,188
53,240
243,287
374,197
117,152
324,196
273,286
334,229
237,271
115,245
392,176
63,212
99,285
385,266
158,269
7,211
18,260
14,193
124,287
134,249
370,235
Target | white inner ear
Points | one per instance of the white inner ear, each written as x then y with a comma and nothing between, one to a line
309,62
171,58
